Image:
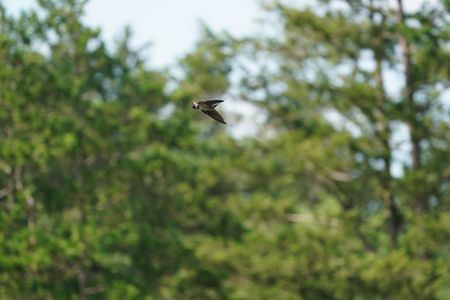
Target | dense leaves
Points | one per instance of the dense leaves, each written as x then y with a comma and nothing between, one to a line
111,187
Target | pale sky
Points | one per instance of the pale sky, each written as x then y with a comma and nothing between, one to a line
172,26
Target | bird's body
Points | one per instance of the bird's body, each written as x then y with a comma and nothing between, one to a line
208,107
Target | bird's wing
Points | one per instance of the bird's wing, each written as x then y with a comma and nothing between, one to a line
214,114
213,102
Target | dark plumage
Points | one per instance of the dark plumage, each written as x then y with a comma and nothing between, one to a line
208,107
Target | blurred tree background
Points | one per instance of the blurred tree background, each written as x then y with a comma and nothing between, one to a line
111,187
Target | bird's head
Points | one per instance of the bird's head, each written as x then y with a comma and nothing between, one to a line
194,105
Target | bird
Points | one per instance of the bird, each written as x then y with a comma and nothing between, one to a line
208,107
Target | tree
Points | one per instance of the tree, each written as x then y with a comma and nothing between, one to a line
339,119
112,187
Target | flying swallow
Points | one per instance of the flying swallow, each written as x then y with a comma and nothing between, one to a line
208,107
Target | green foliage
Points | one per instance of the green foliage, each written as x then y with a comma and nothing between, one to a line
111,187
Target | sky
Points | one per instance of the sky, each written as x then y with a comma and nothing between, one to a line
172,26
